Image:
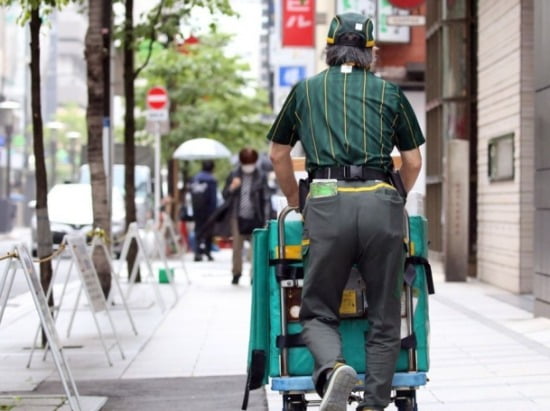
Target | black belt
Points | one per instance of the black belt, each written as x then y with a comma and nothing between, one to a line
350,173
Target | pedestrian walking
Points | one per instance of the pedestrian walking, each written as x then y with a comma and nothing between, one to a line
348,121
248,193
204,188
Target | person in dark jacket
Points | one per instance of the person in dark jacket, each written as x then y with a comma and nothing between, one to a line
204,188
247,190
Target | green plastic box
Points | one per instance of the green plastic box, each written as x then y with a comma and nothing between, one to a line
163,278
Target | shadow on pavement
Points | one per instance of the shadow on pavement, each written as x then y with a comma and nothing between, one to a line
222,393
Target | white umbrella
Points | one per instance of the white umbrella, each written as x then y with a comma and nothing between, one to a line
201,149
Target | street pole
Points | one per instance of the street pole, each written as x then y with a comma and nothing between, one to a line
54,127
7,119
9,131
157,174
53,149
73,136
108,144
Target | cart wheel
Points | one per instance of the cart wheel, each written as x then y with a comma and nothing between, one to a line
294,402
405,400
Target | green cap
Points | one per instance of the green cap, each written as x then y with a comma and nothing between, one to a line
351,23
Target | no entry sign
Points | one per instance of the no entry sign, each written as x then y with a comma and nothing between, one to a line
406,4
157,98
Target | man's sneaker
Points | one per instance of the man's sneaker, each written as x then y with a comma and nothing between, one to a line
339,388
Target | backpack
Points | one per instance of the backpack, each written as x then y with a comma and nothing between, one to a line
199,196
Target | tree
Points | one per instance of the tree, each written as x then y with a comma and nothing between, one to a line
210,95
96,53
163,19
32,12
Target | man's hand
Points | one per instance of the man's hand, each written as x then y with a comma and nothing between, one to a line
284,171
235,183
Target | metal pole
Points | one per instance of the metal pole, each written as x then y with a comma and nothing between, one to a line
9,130
108,145
53,149
157,173
72,153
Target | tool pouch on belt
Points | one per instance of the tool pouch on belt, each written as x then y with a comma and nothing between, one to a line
303,191
397,182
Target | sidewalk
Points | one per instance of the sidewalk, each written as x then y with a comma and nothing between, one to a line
487,351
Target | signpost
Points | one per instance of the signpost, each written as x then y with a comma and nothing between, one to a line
157,104
406,4
22,258
97,302
157,123
406,20
144,255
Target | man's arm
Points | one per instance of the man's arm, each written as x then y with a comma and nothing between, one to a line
284,171
410,168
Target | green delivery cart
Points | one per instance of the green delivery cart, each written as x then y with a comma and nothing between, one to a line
276,354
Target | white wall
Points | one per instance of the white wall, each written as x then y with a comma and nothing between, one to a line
505,105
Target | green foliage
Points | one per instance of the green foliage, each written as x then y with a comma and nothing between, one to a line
46,6
210,95
165,19
74,119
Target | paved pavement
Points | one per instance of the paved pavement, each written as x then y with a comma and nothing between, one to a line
487,350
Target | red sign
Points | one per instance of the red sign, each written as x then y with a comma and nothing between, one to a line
406,4
298,23
157,98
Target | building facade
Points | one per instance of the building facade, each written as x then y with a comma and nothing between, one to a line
488,80
487,155
505,112
541,269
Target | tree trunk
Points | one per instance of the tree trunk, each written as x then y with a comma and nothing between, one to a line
44,233
173,175
95,54
129,130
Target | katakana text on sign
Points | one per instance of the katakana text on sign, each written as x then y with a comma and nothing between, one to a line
298,23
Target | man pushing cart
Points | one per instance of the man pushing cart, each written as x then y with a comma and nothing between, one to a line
348,121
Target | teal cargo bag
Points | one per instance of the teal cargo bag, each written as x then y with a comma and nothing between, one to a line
267,343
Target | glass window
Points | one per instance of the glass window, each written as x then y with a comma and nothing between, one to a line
454,9
455,120
433,12
433,67
433,145
455,67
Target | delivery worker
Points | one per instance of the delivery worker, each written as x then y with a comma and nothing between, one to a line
348,121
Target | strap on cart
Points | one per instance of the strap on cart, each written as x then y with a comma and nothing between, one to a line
411,262
255,374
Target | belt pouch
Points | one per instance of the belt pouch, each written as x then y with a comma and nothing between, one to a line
397,182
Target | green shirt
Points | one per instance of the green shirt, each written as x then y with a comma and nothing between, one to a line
347,118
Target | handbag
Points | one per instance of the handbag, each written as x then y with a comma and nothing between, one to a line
247,225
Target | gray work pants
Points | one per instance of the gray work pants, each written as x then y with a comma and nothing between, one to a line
362,225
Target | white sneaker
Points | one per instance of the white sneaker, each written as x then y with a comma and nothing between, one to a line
340,386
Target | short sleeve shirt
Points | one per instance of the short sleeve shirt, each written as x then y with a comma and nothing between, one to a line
347,116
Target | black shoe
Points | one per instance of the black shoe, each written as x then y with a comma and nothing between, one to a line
209,257
198,258
235,280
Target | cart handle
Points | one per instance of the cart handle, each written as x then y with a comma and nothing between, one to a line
281,229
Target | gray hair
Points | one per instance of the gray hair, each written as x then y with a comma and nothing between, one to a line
337,55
